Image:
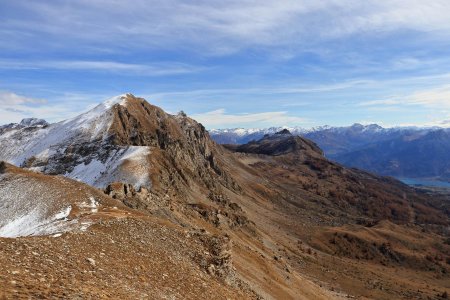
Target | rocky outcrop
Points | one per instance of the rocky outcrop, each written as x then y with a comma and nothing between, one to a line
121,191
183,154
28,122
280,143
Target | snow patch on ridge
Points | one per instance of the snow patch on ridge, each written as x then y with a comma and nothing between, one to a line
34,223
97,120
127,165
120,99
31,206
62,215
92,205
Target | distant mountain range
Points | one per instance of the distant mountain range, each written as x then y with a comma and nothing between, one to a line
411,152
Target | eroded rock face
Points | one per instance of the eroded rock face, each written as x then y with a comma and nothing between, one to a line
33,122
182,152
118,190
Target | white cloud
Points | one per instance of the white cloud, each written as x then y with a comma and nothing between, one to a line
220,119
9,98
19,112
382,102
14,107
222,26
159,69
444,123
264,90
437,98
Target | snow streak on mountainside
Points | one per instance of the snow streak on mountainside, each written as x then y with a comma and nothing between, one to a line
34,204
78,148
101,173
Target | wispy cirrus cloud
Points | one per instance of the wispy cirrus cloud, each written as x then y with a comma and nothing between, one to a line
265,90
221,27
14,107
221,119
438,98
9,98
156,69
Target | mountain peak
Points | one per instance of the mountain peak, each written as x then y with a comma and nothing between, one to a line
372,127
284,132
119,99
27,122
281,143
111,142
357,126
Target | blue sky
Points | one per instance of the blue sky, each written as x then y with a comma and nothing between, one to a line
231,63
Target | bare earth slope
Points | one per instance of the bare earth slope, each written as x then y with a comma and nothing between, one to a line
98,248
271,219
35,204
338,225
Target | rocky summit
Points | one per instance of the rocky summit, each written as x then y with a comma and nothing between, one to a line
127,201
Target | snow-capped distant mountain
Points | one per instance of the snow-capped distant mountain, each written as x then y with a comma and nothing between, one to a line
333,140
339,140
412,152
243,136
28,122
33,122
419,154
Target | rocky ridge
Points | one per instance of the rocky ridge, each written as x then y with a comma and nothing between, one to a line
260,220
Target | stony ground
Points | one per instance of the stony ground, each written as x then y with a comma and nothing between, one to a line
121,259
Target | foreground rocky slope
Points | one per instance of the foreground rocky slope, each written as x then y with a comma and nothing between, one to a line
272,219
74,241
33,204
